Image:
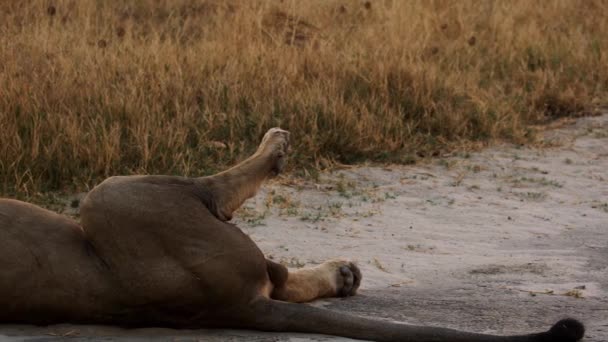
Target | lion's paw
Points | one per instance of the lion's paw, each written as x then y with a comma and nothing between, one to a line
276,144
344,276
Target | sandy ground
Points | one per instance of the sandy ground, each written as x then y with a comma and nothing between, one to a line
507,240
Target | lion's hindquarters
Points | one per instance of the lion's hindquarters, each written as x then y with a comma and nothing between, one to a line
165,247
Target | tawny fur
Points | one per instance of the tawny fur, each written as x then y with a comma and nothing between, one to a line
245,179
331,278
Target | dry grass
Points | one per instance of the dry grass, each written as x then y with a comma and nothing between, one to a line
90,89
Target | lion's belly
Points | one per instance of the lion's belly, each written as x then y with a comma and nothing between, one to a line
48,273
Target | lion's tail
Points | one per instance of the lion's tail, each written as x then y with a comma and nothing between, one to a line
271,315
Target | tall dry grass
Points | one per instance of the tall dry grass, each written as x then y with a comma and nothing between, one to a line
90,88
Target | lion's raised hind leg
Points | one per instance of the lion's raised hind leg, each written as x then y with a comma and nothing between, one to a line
229,189
334,278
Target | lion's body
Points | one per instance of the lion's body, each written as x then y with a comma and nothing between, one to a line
49,272
159,263
156,251
187,262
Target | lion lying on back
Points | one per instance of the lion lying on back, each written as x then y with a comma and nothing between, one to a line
157,251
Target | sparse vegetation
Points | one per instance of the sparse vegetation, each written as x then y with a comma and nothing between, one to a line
531,195
576,293
252,217
380,266
459,178
90,89
540,181
600,206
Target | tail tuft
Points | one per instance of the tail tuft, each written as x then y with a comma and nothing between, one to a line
567,330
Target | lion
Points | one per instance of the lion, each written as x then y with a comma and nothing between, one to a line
159,251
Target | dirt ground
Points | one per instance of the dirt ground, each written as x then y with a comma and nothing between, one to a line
507,240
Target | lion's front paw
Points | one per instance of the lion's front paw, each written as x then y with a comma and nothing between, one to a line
344,275
275,144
